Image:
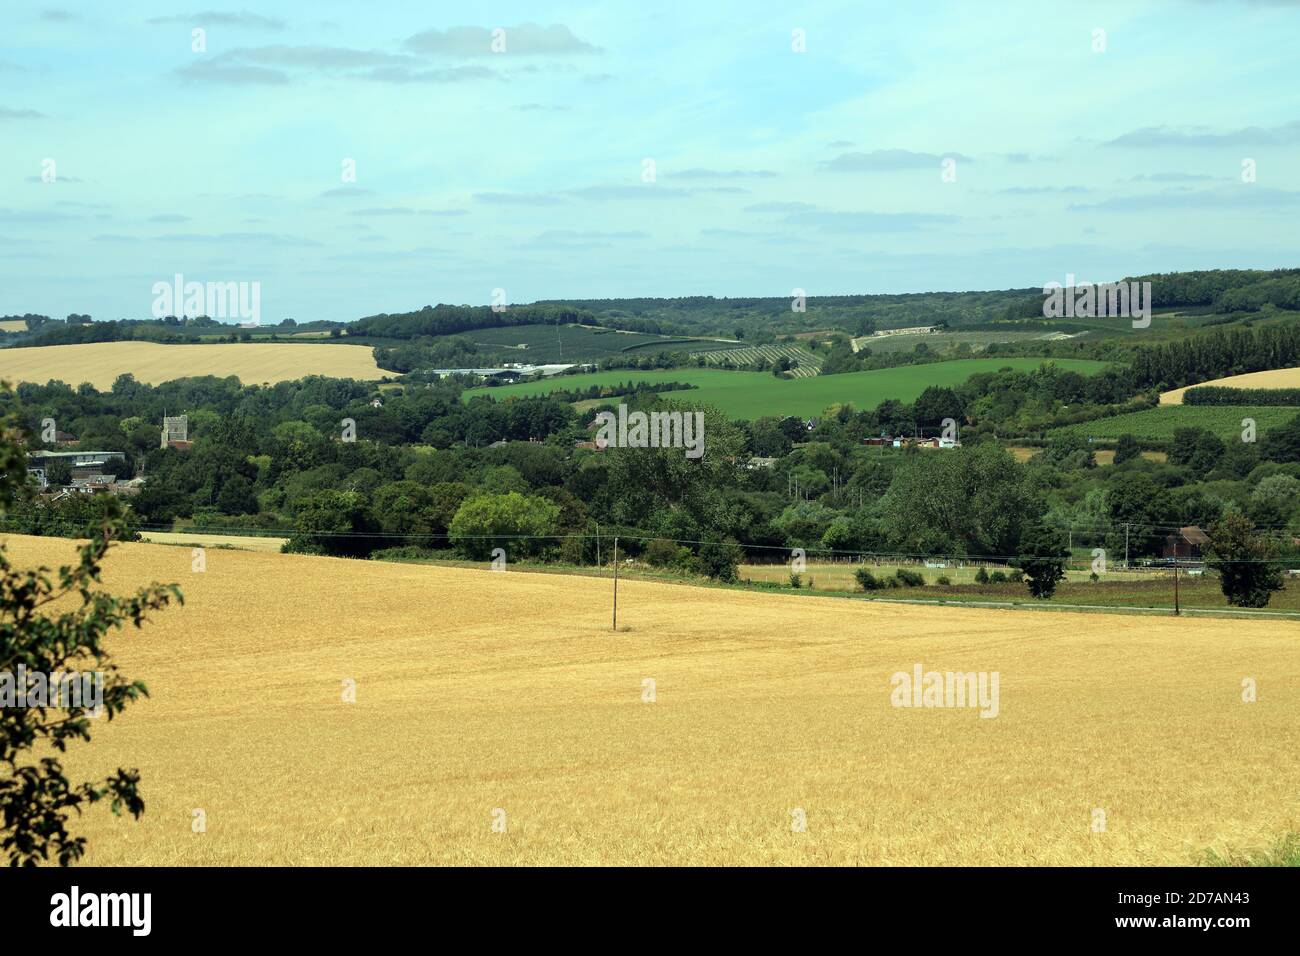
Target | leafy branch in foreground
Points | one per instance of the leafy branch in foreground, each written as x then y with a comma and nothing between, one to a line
55,675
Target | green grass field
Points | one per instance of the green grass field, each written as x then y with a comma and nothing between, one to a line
1158,424
1152,591
747,395
806,363
839,575
939,341
1118,589
573,343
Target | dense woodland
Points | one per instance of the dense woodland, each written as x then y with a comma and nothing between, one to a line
450,319
1235,302
1219,290
421,476
432,473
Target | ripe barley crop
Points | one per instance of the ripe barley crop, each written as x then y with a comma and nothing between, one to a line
253,362
487,698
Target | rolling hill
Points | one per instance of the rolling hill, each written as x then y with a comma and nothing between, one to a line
256,362
759,394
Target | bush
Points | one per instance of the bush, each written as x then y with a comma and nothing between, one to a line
719,560
409,552
663,553
909,579
1246,562
1127,449
516,523
997,577
944,580
868,581
572,551
333,523
795,581
981,576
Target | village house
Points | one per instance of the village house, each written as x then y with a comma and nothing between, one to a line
84,467
1186,544
887,441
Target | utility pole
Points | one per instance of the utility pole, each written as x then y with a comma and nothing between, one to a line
1177,609
597,544
1126,545
615,628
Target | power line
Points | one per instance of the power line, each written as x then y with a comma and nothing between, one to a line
884,555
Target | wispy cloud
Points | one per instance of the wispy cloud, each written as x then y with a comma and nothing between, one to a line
881,160
780,207
11,114
812,217
317,57
518,199
584,238
456,74
1043,190
214,71
59,178
204,18
346,192
407,211
648,191
36,215
1172,178
698,173
278,63
1241,198
527,39
261,238
1287,134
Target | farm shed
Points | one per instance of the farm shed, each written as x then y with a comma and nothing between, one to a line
1186,544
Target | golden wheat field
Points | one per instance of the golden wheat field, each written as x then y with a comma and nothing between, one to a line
1274,378
484,696
254,362
243,542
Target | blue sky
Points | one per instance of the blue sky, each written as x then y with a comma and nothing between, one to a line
525,169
